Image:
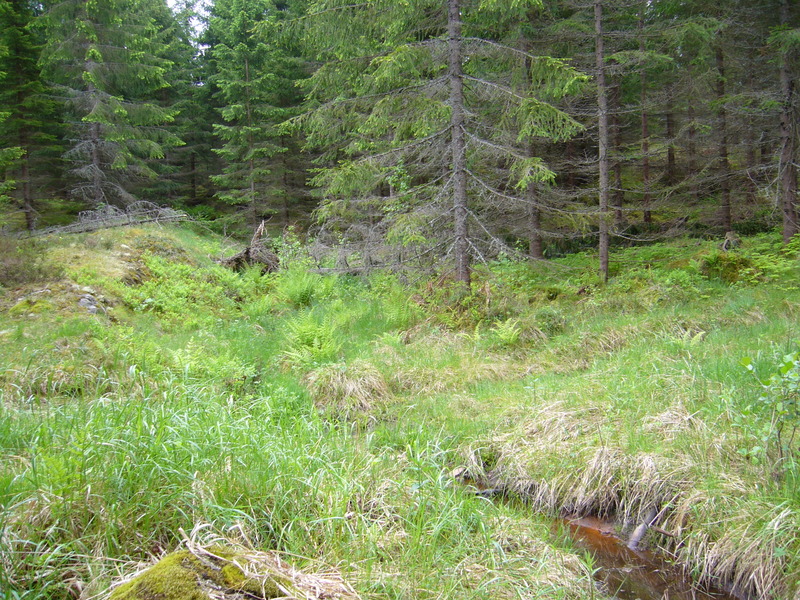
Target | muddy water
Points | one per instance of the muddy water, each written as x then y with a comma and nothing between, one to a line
633,574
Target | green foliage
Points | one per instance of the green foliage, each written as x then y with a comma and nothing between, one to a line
550,320
771,423
505,334
291,249
380,110
762,258
310,342
300,287
183,294
118,430
208,358
106,59
396,309
254,78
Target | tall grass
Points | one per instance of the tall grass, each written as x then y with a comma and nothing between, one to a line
323,417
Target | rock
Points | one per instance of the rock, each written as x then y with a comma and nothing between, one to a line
88,302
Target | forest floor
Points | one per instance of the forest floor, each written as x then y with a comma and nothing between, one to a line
149,395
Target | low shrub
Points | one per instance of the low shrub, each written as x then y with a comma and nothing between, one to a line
550,320
300,287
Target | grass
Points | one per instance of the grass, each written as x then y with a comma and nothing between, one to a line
323,417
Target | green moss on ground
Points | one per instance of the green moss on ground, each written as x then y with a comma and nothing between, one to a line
183,576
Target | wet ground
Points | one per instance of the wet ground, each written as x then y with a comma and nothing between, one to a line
634,574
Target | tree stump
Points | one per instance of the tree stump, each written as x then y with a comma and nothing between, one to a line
255,254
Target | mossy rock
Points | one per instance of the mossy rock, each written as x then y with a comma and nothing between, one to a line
31,305
184,576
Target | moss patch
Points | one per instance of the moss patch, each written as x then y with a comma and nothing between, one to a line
186,576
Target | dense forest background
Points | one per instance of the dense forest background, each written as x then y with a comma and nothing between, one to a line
402,133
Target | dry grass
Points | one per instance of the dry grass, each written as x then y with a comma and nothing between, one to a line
674,422
431,380
734,538
345,388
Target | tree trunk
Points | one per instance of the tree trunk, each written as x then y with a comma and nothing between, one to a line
458,143
602,120
691,153
750,150
788,170
25,179
97,173
569,180
285,180
251,165
535,246
669,119
648,217
619,194
724,164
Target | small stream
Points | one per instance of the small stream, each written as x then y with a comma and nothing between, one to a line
621,572
634,574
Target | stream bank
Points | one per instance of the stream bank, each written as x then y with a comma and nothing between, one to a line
630,574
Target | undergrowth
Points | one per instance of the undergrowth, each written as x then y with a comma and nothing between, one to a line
322,415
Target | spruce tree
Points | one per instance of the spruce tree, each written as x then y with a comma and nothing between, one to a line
104,58
32,121
424,117
7,154
184,170
253,76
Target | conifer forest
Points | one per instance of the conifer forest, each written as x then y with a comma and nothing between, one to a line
407,132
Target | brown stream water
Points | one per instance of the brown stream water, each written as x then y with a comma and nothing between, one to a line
634,574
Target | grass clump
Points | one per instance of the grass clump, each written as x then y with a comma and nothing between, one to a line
344,388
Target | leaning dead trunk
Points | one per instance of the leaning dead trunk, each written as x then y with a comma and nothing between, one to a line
641,529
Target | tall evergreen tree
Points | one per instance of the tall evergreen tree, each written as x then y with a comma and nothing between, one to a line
254,77
423,123
31,124
104,56
184,170
11,153
786,39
